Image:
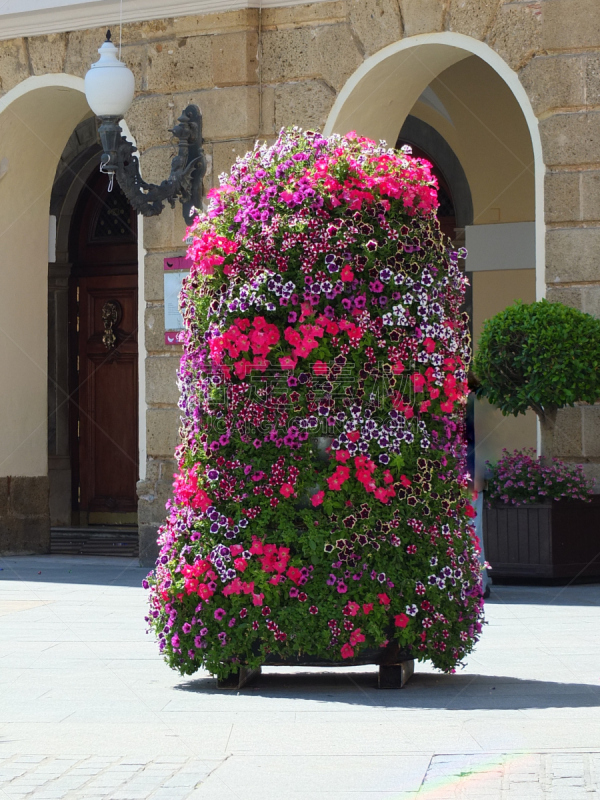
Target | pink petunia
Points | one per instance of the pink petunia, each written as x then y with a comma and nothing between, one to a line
347,651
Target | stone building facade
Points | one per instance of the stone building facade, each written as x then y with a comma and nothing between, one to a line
504,96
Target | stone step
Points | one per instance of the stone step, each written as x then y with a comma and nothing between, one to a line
94,541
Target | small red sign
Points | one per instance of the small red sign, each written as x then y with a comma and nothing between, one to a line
177,263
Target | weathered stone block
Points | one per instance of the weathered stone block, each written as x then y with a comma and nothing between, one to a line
154,331
572,254
592,79
590,195
152,511
148,545
150,118
305,14
335,54
568,441
377,23
134,32
267,121
23,535
592,473
516,33
180,64
305,104
568,295
161,380
591,431
571,139
155,163
14,66
228,113
562,196
136,58
82,50
590,296
571,24
167,467
166,231
288,55
225,22
154,275
47,53
162,430
554,82
29,496
327,51
472,17
422,16
235,58
225,153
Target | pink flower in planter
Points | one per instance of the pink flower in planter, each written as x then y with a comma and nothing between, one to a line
347,651
317,498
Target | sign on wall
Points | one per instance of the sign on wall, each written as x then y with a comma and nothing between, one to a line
175,270
505,245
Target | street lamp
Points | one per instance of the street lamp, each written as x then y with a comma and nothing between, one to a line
109,89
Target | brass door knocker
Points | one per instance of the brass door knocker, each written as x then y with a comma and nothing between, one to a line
110,317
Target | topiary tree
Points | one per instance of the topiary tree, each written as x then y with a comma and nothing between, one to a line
541,356
320,507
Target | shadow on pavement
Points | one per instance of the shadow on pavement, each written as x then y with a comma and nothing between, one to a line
424,690
86,570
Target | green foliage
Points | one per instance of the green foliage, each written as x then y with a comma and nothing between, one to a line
541,356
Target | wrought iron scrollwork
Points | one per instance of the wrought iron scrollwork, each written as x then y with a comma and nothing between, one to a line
188,167
110,316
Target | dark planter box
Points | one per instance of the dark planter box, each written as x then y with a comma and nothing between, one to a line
554,540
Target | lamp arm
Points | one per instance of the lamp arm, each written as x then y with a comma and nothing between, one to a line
188,167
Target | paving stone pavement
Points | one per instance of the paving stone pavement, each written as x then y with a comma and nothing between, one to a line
528,776
88,709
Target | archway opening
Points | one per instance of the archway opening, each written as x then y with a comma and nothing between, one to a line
455,101
36,120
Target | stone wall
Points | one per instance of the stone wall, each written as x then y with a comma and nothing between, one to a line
24,515
252,73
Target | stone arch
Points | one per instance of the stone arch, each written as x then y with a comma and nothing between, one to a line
36,120
379,95
391,85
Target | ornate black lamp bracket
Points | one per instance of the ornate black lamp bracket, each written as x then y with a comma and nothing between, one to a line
188,167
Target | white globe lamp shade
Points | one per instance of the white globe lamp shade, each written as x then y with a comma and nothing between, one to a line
109,84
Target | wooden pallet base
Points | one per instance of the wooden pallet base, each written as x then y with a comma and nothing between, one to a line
391,676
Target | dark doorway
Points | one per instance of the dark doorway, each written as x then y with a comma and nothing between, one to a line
103,357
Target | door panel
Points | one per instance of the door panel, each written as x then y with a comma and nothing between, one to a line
107,402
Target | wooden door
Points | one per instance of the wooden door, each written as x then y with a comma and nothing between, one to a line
108,381
104,358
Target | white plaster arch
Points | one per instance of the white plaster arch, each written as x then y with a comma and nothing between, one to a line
36,119
376,99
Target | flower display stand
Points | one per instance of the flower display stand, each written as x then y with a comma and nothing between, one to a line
559,540
396,666
320,514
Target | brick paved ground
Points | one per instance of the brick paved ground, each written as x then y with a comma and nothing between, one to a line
88,710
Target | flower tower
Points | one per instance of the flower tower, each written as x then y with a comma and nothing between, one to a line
320,505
